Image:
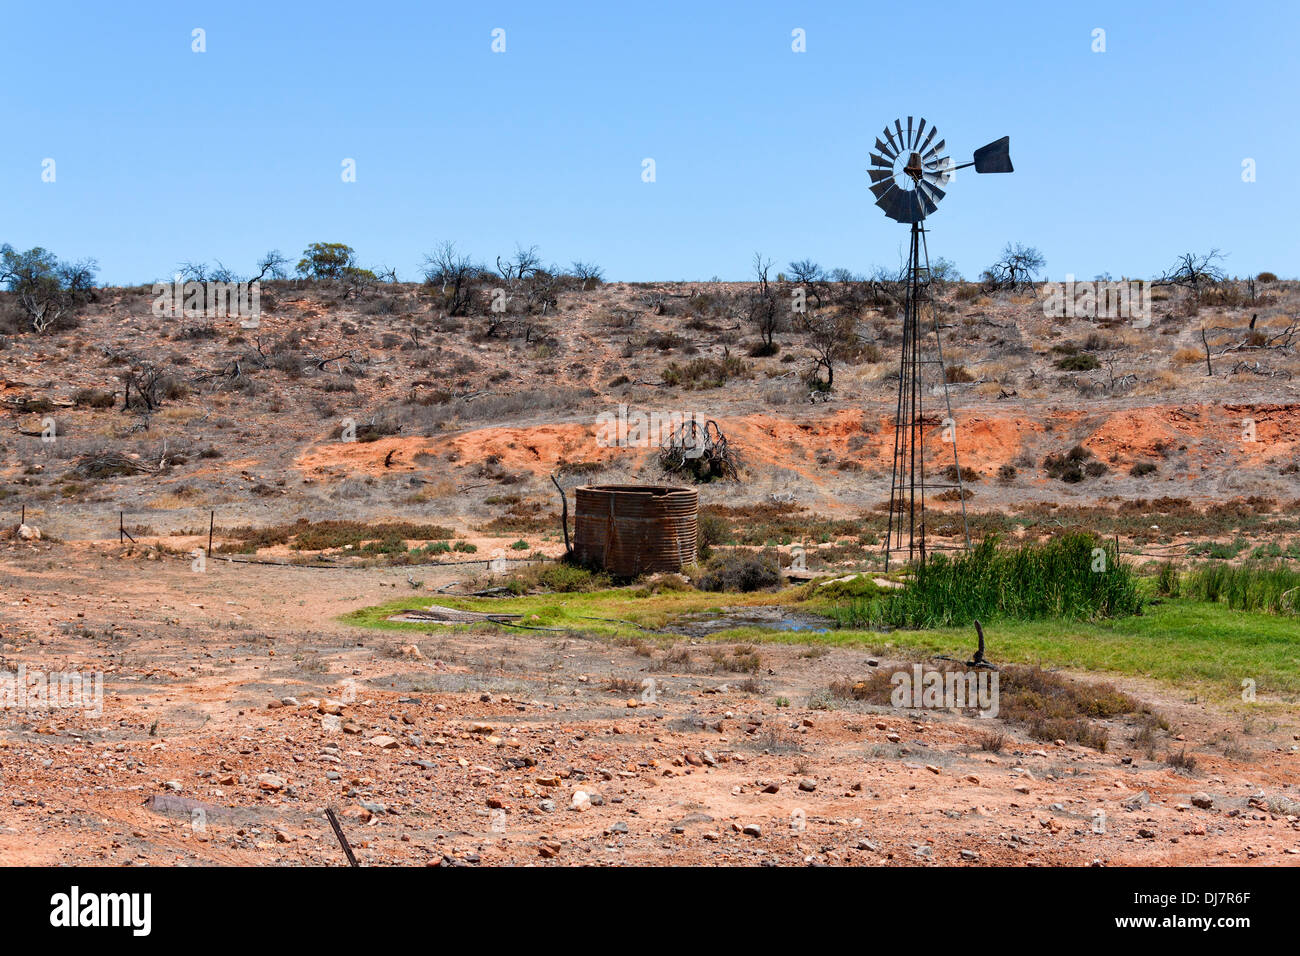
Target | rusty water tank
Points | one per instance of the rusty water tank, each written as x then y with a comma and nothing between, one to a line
632,529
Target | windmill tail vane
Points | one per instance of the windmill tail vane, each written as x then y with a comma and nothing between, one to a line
907,174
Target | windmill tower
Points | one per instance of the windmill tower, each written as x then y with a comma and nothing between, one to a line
907,170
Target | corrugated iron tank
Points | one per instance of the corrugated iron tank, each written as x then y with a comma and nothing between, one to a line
634,529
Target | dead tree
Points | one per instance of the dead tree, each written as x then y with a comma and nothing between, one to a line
146,380
455,274
809,274
1015,269
765,316
700,451
588,272
761,267
827,337
1193,271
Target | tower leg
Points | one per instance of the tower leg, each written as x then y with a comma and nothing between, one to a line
908,482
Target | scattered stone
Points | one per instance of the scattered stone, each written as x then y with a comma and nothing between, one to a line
1137,801
1203,800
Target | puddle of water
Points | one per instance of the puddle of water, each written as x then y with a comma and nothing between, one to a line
776,619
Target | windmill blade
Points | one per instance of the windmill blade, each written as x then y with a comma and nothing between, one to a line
932,192
894,147
885,150
995,157
898,125
881,175
881,189
897,206
881,162
909,132
923,204
935,150
926,145
920,128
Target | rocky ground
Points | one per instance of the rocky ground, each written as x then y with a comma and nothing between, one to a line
237,709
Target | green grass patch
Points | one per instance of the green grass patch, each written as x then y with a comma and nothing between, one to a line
1071,577
1274,587
1198,647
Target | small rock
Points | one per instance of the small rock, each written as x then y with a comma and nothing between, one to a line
1137,801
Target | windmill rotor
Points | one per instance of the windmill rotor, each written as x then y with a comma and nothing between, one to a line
908,168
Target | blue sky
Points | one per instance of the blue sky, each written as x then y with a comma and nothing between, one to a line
1123,158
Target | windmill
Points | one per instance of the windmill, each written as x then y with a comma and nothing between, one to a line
907,170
